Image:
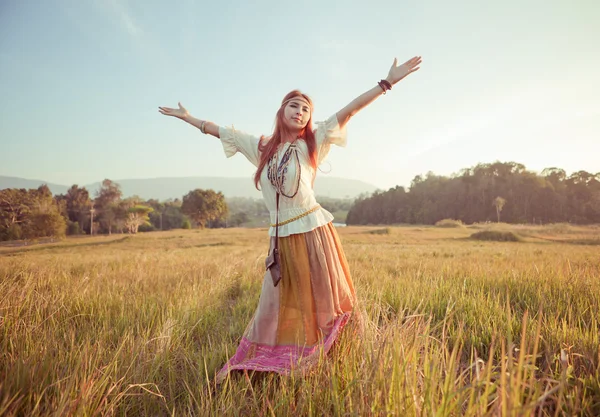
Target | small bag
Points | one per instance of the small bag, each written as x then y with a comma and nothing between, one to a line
273,264
273,261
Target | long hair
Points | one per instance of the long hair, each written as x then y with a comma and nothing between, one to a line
268,148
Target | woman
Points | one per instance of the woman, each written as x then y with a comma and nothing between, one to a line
305,311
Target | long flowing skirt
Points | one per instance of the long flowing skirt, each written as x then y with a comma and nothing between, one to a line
304,314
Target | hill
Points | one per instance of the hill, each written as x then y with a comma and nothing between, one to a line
15,182
165,188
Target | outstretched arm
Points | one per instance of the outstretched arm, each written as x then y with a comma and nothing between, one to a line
182,113
396,73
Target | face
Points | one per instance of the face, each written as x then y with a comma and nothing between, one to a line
296,113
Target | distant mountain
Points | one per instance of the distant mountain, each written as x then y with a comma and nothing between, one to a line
164,188
14,182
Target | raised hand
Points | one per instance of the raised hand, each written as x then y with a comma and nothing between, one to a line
398,72
180,113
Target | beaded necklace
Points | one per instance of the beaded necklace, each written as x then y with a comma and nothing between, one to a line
277,172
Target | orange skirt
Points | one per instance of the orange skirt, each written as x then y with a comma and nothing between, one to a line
305,313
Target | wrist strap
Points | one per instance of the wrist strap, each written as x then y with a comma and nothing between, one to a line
385,85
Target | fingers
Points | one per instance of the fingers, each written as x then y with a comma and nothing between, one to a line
413,62
395,64
167,111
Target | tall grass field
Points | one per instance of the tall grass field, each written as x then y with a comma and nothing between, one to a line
447,325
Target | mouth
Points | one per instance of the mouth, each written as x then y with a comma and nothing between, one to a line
297,119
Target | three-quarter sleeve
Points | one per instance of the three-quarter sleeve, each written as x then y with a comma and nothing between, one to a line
328,133
234,141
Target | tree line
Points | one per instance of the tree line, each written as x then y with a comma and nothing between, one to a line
36,213
499,191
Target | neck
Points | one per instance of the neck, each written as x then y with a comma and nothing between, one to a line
289,136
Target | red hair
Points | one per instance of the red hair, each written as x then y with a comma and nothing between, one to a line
268,148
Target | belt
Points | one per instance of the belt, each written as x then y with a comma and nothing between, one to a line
293,219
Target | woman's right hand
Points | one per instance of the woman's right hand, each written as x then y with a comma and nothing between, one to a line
180,113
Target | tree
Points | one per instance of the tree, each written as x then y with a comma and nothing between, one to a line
167,214
29,214
204,206
236,219
45,219
173,217
136,217
121,213
159,208
499,204
14,207
551,196
106,203
78,205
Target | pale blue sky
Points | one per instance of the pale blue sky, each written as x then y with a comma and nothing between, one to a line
81,81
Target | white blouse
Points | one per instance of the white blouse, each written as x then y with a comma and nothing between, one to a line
327,133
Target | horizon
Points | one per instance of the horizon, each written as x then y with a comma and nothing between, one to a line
500,82
407,187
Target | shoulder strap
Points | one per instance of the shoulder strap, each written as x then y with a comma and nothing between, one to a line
277,226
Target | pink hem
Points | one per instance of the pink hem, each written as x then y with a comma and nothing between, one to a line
281,359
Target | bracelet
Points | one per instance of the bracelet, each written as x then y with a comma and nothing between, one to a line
385,85
202,127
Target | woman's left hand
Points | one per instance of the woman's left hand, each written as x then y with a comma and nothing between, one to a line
398,72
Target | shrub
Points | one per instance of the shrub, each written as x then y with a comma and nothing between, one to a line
385,231
73,228
147,228
558,228
186,224
496,235
13,232
449,223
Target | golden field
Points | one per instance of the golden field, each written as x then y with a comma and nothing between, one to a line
138,325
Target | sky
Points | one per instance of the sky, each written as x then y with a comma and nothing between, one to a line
510,80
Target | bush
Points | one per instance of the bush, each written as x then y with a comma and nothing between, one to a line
558,228
236,219
14,232
147,228
449,223
186,224
73,228
385,231
496,235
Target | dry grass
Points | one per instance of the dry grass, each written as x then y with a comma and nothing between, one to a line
138,326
